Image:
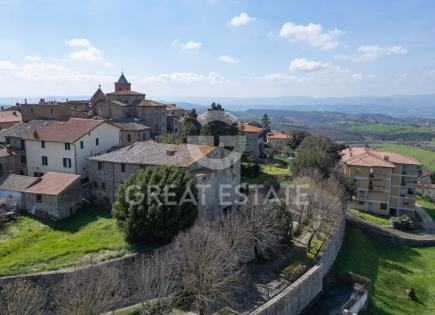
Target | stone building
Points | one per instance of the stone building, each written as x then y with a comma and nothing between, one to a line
385,181
15,137
8,118
174,119
278,140
64,146
132,132
7,161
254,140
109,170
54,195
124,104
55,110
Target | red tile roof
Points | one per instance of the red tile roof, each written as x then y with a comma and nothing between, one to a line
277,135
368,157
250,128
52,183
66,131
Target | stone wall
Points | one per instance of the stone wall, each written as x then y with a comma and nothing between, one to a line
298,295
390,235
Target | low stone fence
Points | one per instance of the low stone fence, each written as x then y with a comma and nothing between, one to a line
298,295
390,235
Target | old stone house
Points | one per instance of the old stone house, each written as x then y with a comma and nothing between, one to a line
64,146
254,140
109,170
132,132
54,195
8,118
124,104
55,110
278,140
15,137
7,161
174,119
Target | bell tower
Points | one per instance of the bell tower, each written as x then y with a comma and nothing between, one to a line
122,84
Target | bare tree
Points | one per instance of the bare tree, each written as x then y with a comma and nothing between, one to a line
155,287
266,224
205,269
89,291
22,298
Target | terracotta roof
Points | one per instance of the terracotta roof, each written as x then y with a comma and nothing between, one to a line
277,135
66,131
10,116
368,157
250,128
125,92
52,183
153,153
18,182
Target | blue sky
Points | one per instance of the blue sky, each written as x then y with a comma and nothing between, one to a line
218,48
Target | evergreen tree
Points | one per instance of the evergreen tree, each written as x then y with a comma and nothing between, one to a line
152,217
218,124
265,122
191,126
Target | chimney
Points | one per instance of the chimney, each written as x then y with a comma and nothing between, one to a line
35,134
386,158
41,101
9,149
2,108
14,113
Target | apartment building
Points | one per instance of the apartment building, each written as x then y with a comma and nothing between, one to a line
385,181
64,146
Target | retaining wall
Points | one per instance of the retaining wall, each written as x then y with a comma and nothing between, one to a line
298,295
390,235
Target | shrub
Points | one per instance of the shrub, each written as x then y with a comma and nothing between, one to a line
250,169
403,223
151,217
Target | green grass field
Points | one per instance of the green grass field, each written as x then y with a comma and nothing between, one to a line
427,205
391,270
279,169
371,217
425,156
385,128
30,244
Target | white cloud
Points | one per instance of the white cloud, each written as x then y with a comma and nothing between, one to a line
87,52
280,77
302,64
191,45
32,58
78,42
185,78
228,59
313,34
373,52
240,20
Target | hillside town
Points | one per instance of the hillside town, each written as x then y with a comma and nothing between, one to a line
217,157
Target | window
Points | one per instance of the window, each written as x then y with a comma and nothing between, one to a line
51,112
100,166
1,168
122,168
38,198
43,144
23,159
384,206
103,186
67,146
129,138
22,144
82,145
411,191
66,163
44,160
97,141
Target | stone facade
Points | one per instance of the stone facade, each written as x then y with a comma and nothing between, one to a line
124,104
254,140
106,175
7,162
52,111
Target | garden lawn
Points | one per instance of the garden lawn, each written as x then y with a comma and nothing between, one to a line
371,217
392,270
31,244
279,169
425,156
427,205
